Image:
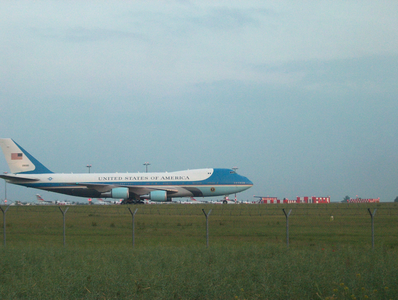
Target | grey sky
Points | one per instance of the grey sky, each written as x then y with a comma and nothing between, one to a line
301,96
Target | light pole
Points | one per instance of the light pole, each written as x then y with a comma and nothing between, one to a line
89,167
146,164
235,168
5,190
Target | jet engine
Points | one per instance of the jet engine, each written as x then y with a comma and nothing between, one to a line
120,193
158,196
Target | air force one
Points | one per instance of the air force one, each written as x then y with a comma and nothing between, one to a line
132,187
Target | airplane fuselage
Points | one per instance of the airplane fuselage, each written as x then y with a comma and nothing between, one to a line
189,183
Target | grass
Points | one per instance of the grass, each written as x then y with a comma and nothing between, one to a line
246,272
247,258
176,225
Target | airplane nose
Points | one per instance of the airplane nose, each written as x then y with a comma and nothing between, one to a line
247,181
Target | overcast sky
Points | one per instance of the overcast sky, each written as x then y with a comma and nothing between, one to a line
301,96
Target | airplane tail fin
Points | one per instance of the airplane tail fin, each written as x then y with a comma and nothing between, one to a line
39,198
19,160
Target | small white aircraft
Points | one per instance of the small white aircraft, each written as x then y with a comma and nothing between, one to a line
192,200
110,202
226,200
100,201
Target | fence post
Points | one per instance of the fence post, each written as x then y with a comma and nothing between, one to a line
207,226
4,223
133,214
63,214
373,228
287,226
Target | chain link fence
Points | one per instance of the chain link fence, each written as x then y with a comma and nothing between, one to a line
309,224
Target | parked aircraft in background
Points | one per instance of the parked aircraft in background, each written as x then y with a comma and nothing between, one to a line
48,202
63,203
192,200
226,200
21,203
96,202
132,187
110,202
100,201
42,201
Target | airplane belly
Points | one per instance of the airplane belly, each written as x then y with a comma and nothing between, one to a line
183,192
78,192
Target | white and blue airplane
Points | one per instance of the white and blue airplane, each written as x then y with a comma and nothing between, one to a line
132,187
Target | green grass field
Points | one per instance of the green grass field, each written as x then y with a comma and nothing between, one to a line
247,258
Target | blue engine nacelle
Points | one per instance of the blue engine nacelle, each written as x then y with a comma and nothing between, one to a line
159,196
120,193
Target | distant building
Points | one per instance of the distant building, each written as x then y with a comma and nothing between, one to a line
313,199
269,200
360,200
275,200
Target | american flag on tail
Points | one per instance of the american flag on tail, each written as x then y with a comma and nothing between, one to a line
16,156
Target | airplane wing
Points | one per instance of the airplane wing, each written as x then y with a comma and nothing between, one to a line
16,178
138,190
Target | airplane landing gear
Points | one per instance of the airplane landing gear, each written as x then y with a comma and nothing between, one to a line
135,200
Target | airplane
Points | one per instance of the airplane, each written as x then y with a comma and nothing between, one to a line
63,203
21,203
192,200
98,202
226,200
42,201
131,187
110,201
101,201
